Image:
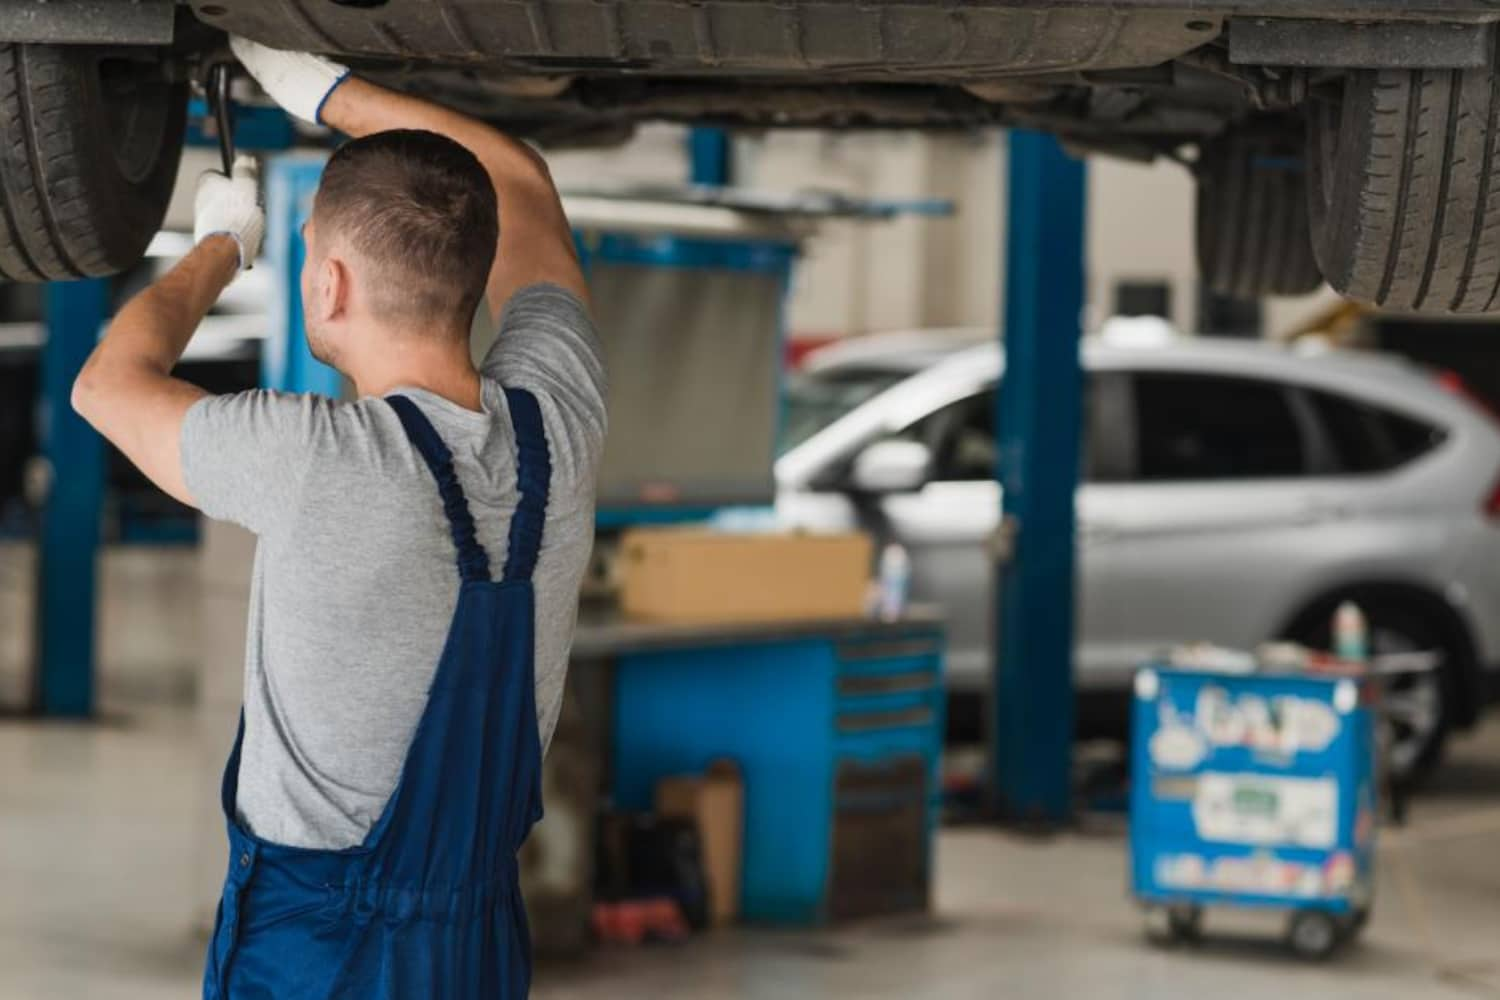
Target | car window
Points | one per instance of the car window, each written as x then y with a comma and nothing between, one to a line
1365,438
1409,438
816,399
1208,427
961,435
1108,455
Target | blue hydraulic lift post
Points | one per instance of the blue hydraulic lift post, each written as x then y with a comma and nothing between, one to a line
67,556
1039,420
287,362
710,152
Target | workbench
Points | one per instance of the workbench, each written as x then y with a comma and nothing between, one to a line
836,727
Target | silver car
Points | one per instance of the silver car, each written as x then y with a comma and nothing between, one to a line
1232,492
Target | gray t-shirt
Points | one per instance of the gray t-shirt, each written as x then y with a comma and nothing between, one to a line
355,582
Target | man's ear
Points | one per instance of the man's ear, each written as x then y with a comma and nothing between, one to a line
333,289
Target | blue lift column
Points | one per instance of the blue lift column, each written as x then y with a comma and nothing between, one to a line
287,363
1039,420
709,153
67,556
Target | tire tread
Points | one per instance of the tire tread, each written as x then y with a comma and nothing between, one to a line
1423,230
1253,235
65,210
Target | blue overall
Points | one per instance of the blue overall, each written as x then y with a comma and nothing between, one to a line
428,907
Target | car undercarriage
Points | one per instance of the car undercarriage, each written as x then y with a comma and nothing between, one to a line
1288,112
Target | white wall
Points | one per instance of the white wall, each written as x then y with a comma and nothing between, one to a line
865,276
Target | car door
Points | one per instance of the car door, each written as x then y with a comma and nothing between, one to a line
946,527
1102,573
1213,515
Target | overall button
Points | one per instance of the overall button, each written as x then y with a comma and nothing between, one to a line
245,859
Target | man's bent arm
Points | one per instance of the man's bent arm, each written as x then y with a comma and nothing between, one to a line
536,242
126,390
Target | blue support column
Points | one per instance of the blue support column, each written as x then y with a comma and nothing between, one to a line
1039,421
710,153
67,557
286,361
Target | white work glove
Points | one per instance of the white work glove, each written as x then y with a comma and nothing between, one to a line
298,81
231,206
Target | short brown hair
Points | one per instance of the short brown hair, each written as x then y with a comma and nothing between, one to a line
420,209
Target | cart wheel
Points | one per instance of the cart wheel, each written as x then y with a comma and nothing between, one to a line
1185,923
1312,934
1353,923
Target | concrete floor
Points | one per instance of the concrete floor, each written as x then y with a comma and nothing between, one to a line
95,902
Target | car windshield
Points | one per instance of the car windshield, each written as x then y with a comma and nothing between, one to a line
816,399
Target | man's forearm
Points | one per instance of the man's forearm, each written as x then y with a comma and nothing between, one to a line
126,390
153,329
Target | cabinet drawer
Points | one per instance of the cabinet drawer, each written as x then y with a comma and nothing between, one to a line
881,744
908,712
880,838
851,686
918,654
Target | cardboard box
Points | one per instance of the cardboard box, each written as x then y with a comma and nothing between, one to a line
691,576
716,803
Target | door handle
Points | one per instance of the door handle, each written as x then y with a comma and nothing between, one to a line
1318,512
1099,531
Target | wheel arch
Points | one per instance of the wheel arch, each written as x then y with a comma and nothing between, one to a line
1463,686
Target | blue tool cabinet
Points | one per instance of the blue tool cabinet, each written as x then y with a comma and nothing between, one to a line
838,738
1255,790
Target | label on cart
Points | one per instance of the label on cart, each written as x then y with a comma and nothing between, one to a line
1260,874
1278,727
1266,810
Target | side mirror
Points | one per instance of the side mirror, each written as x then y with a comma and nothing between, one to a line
891,467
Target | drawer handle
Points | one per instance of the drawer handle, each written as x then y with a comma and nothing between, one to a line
866,721
891,684
865,652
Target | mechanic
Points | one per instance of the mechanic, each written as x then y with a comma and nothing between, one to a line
419,551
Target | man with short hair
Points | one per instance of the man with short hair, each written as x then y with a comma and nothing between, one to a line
419,548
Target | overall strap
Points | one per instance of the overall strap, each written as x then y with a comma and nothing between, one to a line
533,479
473,561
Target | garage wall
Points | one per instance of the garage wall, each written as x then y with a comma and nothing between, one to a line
912,272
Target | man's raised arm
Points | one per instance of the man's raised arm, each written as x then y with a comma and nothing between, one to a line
536,243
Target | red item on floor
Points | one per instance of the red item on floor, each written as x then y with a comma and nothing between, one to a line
636,920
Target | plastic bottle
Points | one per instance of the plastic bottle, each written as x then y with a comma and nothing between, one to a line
1351,633
895,582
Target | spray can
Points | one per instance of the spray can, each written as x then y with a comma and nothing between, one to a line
895,582
1351,633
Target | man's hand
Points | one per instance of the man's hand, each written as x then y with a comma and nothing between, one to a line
298,81
231,206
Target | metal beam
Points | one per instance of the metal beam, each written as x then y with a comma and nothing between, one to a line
67,558
1039,416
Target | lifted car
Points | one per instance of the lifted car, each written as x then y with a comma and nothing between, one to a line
1346,140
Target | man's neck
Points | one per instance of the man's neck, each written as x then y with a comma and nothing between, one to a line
441,370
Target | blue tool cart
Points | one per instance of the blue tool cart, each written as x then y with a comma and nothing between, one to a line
1255,790
837,729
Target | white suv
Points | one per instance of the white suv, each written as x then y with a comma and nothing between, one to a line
1231,492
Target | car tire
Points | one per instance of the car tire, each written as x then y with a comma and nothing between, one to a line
1404,188
1394,626
91,143
1313,934
1253,232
